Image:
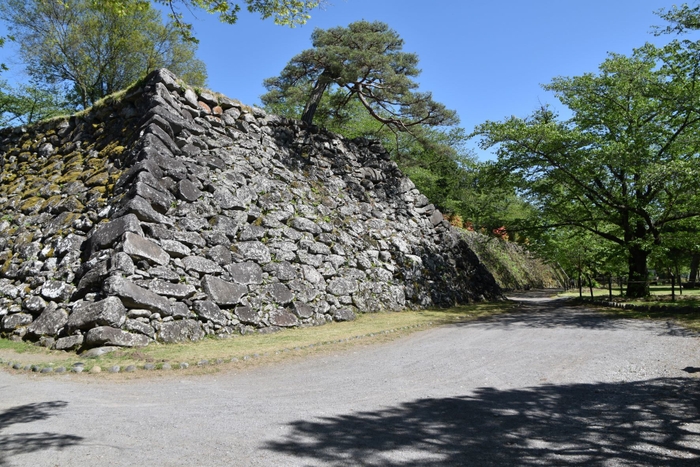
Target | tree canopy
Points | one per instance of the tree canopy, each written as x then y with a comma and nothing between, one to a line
94,50
283,12
625,167
363,62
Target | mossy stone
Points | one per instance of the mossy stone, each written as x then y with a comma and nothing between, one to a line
32,205
99,179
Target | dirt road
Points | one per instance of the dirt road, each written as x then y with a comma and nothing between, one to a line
549,385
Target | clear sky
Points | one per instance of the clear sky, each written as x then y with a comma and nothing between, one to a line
485,59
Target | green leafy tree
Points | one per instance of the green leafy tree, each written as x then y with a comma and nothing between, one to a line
29,103
363,62
94,50
625,167
283,12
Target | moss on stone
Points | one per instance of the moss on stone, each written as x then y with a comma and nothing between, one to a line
69,177
99,179
32,204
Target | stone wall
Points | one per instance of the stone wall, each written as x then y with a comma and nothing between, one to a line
167,215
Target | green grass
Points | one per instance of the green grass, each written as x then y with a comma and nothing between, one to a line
255,349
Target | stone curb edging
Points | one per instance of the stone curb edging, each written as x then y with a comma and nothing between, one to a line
79,367
631,306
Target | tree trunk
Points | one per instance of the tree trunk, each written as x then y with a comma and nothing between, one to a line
314,99
694,263
638,284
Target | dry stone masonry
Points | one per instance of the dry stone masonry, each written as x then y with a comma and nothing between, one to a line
168,215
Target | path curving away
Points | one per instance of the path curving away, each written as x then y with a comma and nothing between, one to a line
550,384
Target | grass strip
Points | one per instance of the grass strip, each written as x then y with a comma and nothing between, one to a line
253,349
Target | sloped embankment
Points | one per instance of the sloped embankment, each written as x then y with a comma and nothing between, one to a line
512,265
167,215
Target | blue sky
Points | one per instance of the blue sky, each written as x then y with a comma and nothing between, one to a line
485,59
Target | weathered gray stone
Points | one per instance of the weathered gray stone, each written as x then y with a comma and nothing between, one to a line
312,275
284,271
15,321
280,293
283,318
121,262
209,311
143,210
252,232
191,239
159,200
201,265
50,322
302,310
254,251
247,315
134,296
57,291
142,328
110,232
105,335
305,225
69,342
180,331
188,191
221,292
34,304
107,312
342,286
179,310
169,289
175,248
220,254
245,273
343,314
436,218
141,248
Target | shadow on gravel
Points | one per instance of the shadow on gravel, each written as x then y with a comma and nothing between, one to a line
643,423
550,313
22,443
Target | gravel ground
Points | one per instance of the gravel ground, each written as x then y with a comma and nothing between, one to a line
549,384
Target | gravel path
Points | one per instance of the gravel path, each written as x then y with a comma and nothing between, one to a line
548,385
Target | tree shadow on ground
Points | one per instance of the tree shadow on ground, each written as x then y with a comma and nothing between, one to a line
563,313
642,423
552,313
23,443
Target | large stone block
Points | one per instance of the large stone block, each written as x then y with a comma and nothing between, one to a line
245,273
201,265
221,292
180,331
279,293
169,289
134,296
107,312
50,322
283,318
247,315
342,286
141,248
254,251
209,311
16,321
112,231
105,335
